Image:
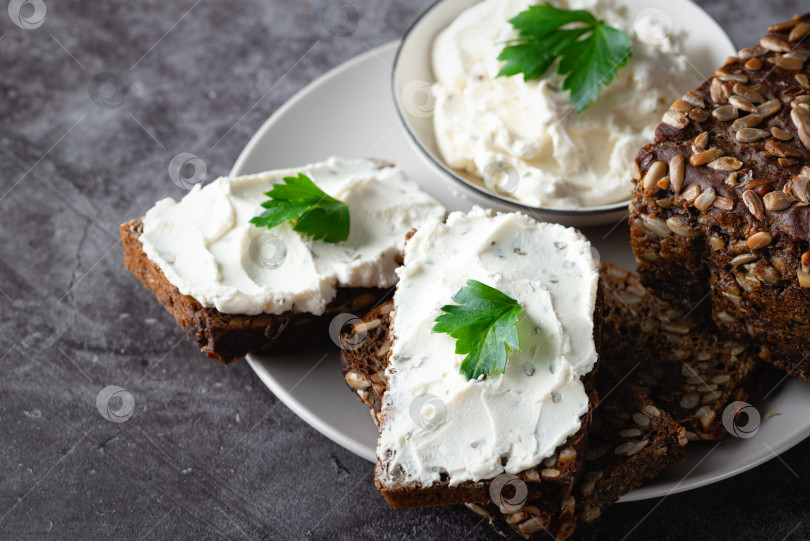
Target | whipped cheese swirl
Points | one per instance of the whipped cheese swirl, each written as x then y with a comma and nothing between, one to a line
434,420
563,159
206,247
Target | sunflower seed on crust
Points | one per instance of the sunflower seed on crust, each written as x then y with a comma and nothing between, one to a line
677,226
638,446
748,121
789,63
695,99
702,158
705,200
725,163
787,162
676,173
641,419
675,119
701,141
689,401
751,52
798,55
754,204
782,27
801,185
655,225
698,115
716,91
733,77
803,80
724,113
655,173
804,278
774,44
691,193
799,31
751,135
748,93
777,200
781,134
753,64
759,240
782,150
801,119
744,259
664,203
356,381
743,104
716,243
724,203
799,100
681,106
769,108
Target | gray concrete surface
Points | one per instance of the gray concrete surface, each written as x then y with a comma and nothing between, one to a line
208,452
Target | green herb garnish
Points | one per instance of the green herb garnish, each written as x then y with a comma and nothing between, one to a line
309,210
590,52
484,324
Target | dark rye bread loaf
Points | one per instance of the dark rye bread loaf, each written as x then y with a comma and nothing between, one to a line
601,478
720,220
681,363
229,337
364,371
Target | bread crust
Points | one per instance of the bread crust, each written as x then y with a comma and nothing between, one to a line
229,337
732,238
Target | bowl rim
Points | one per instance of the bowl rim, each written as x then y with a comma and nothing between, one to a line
451,173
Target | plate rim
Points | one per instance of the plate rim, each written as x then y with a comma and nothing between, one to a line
347,442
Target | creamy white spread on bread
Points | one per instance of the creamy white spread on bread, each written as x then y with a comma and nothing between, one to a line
563,159
206,247
434,421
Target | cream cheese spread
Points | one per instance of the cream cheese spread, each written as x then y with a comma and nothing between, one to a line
435,421
206,247
562,159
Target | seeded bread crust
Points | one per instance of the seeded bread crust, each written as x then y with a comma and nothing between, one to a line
229,337
364,371
630,440
603,476
681,363
720,220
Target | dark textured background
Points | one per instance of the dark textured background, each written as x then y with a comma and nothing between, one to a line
209,452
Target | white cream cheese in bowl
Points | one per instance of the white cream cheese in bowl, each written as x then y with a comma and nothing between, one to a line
206,247
562,159
434,421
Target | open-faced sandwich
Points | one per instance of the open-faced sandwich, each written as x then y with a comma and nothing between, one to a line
249,263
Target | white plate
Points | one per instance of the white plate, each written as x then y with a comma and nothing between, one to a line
705,45
349,112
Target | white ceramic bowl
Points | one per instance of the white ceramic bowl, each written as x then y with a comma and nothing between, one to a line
706,46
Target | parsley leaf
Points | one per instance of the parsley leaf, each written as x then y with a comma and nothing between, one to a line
484,324
310,210
590,52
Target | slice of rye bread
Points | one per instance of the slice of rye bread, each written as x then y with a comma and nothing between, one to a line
229,337
720,218
607,475
683,364
630,440
364,370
